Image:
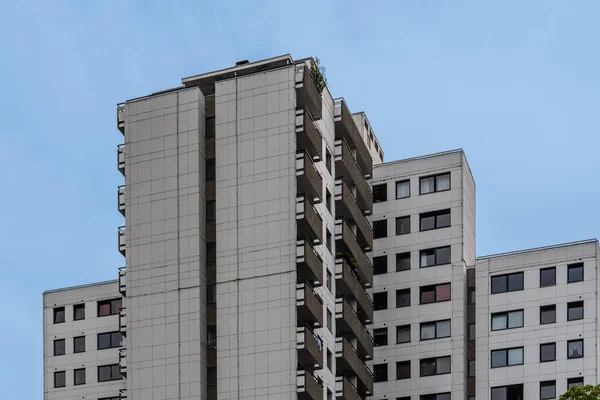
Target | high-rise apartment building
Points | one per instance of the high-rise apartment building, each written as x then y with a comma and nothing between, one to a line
270,253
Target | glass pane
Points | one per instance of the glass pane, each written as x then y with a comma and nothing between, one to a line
59,347
575,273
402,189
403,334
575,311
427,185
402,225
443,396
499,393
104,373
547,352
443,365
427,258
472,332
79,312
379,193
211,294
515,282
471,368
575,349
499,322
116,339
79,376
59,379
402,298
379,265
515,319
103,341
442,255
548,277
498,284
427,295
442,182
79,344
514,392
427,367
59,315
428,222
548,390
499,358
442,292
427,331
443,329
402,262
547,315
211,208
403,370
115,306
574,382
443,220
515,356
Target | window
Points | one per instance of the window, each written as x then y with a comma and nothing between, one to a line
575,273
109,373
471,332
507,320
548,314
210,169
402,262
507,357
59,315
402,334
507,283
211,252
211,294
329,320
402,189
575,348
471,295
574,310
380,337
328,199
328,159
547,352
435,183
547,277
403,398
211,376
380,265
471,368
328,280
435,330
110,398
330,360
402,298
379,229
109,307
435,366
79,344
437,396
211,336
403,370
211,210
379,193
574,382
79,376
59,347
60,379
380,373
78,312
435,220
403,225
435,293
511,392
548,390
379,301
109,340
210,127
438,256
329,395
329,240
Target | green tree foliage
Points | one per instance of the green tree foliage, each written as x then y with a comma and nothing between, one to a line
318,74
587,392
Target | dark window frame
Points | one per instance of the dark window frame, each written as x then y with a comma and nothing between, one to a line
211,169
76,308
406,327
211,210
436,362
111,337
380,265
403,292
379,193
434,396
548,308
435,251
75,344
575,304
553,344
582,349
507,319
436,219
542,271
211,294
64,347
56,312
113,376
380,337
401,365
210,127
402,257
64,379
396,188
380,304
547,383
435,325
506,350
507,278
518,386
428,288
380,230
380,372
572,267
111,304
435,183
75,371
399,220
577,381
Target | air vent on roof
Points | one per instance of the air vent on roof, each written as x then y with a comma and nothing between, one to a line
242,62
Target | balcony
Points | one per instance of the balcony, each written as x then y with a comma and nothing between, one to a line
348,323
310,349
211,353
309,222
345,128
347,247
308,137
121,240
346,206
121,118
211,314
349,363
121,199
309,264
123,281
307,93
309,306
308,179
348,286
121,158
122,394
308,388
347,168
123,361
345,390
123,321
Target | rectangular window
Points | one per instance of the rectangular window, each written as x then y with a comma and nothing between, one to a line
211,252
507,283
403,369
435,293
435,366
402,298
402,189
575,273
109,373
435,330
507,357
329,240
211,169
471,295
547,276
79,376
328,280
574,310
329,395
79,344
328,200
78,312
211,294
59,315
380,337
402,262
437,256
435,220
402,334
435,183
329,321
109,340
547,390
380,301
211,210
379,229
574,382
328,159
59,347
511,392
436,396
330,360
380,265
548,314
379,193
507,320
60,379
575,348
211,336
471,332
109,307
380,373
403,225
471,368
547,352
210,127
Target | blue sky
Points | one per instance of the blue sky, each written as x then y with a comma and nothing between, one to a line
514,83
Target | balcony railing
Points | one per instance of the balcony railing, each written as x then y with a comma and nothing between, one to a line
310,349
121,158
307,93
308,137
347,247
123,361
309,222
123,321
309,264
121,118
123,281
121,240
347,168
346,206
121,199
309,306
345,128
308,387
345,390
349,363
348,286
348,323
309,181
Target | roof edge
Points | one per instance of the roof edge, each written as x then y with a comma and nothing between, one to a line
550,247
81,286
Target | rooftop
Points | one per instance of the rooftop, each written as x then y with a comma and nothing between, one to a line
82,286
551,247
